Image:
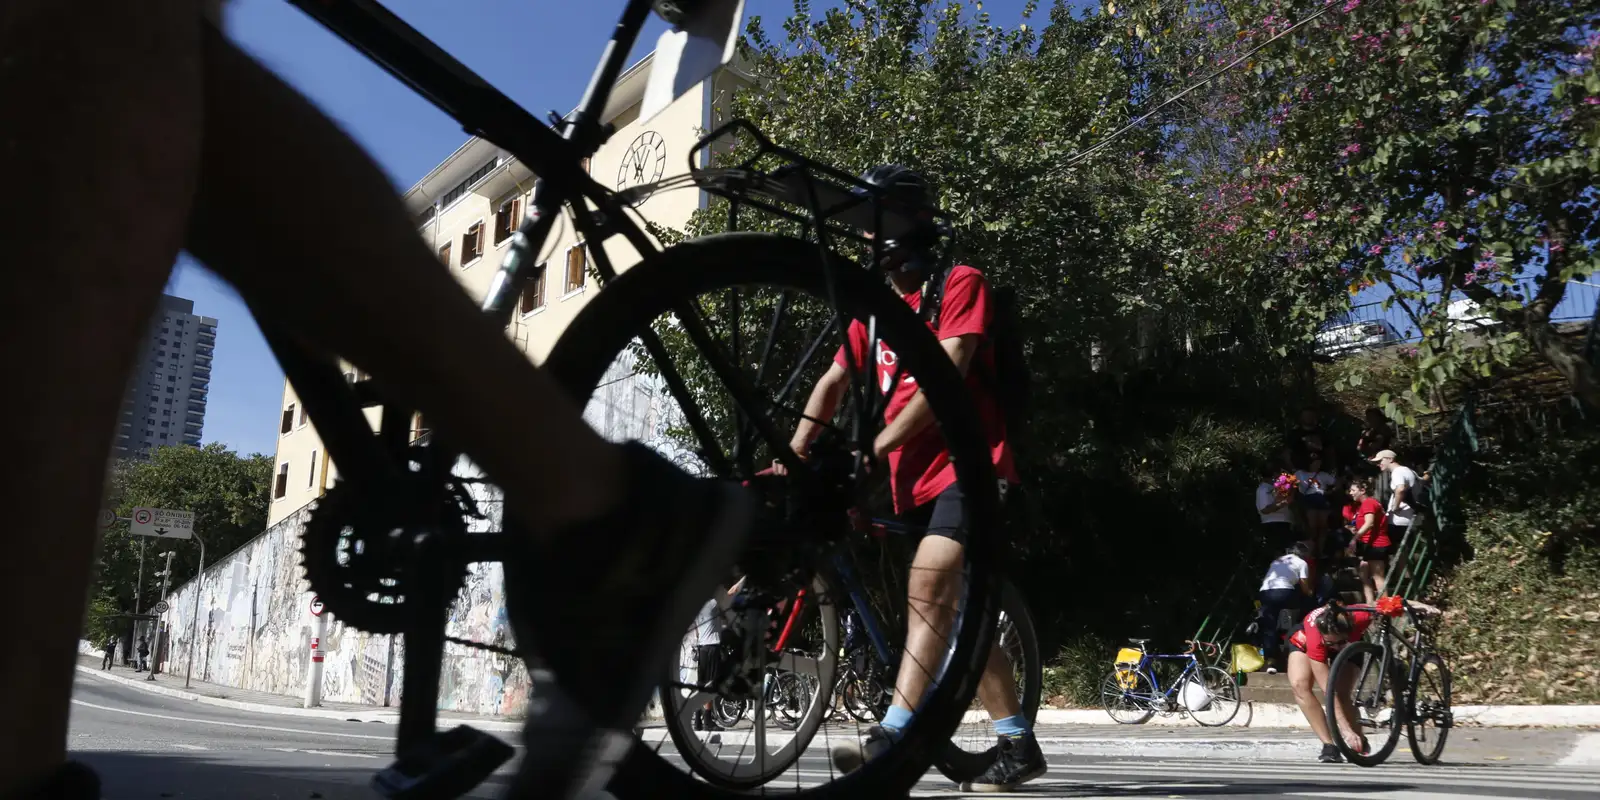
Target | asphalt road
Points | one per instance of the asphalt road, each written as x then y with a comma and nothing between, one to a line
149,746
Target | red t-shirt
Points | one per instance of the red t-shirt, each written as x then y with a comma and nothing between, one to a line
921,468
1355,516
1309,640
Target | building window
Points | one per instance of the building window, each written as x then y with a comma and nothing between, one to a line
281,488
172,378
533,293
288,420
577,260
163,425
302,416
472,244
311,478
444,254
507,218
164,330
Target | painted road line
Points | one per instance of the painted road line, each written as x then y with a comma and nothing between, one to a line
187,746
345,754
245,726
1585,752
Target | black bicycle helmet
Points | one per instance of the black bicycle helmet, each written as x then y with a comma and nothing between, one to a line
904,189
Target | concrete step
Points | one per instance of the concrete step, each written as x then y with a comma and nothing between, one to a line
1260,687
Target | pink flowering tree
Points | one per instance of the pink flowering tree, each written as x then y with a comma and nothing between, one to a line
1440,150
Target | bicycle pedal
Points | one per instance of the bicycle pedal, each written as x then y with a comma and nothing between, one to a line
448,764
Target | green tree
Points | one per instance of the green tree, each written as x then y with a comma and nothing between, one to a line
1446,150
1121,289
228,493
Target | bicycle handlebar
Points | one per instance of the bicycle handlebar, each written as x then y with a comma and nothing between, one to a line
1210,648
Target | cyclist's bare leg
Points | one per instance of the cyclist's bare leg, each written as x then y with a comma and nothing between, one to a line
934,590
997,688
92,226
1303,674
272,163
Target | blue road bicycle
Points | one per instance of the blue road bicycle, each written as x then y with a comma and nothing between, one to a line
1133,693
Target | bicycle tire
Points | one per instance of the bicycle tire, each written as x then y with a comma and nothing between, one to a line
652,289
1142,690
962,765
1351,658
698,753
729,713
1222,678
1417,751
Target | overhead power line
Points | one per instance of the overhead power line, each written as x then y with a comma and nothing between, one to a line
1103,143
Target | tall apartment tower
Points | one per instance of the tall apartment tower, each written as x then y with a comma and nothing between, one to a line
166,399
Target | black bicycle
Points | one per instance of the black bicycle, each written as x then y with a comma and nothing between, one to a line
388,547
1395,680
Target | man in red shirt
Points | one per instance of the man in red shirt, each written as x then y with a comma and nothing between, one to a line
924,484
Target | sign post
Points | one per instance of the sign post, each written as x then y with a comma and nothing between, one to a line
314,671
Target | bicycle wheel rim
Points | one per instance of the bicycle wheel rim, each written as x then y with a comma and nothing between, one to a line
1370,686
1429,719
704,754
1224,691
649,291
1128,704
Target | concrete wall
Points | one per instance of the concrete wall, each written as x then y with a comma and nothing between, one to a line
255,623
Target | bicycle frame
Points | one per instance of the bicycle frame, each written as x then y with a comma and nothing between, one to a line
555,155
1147,666
1417,650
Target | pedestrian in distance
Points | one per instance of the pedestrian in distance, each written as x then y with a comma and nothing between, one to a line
144,655
110,647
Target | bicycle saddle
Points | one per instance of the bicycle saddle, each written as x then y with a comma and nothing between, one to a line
1139,642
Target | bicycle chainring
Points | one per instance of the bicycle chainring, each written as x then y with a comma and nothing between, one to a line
357,547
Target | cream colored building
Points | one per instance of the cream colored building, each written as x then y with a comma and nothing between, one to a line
469,205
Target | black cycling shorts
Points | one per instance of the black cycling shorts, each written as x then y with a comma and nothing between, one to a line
1370,552
946,515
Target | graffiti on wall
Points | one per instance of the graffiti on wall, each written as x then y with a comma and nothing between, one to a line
255,624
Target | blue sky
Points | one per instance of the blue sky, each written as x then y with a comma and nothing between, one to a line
539,53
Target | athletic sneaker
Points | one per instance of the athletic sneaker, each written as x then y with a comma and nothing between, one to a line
607,606
1331,754
849,756
1018,761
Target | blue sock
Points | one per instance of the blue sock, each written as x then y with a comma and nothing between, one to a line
895,720
1012,726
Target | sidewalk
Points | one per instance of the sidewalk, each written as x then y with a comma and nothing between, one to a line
1261,719
267,702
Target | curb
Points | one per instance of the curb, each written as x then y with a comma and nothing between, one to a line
1251,715
1240,749
351,715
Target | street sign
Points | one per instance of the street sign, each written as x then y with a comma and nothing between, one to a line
162,523
107,518
161,607
316,606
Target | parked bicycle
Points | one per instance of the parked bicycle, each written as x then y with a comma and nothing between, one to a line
1396,679
1132,693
